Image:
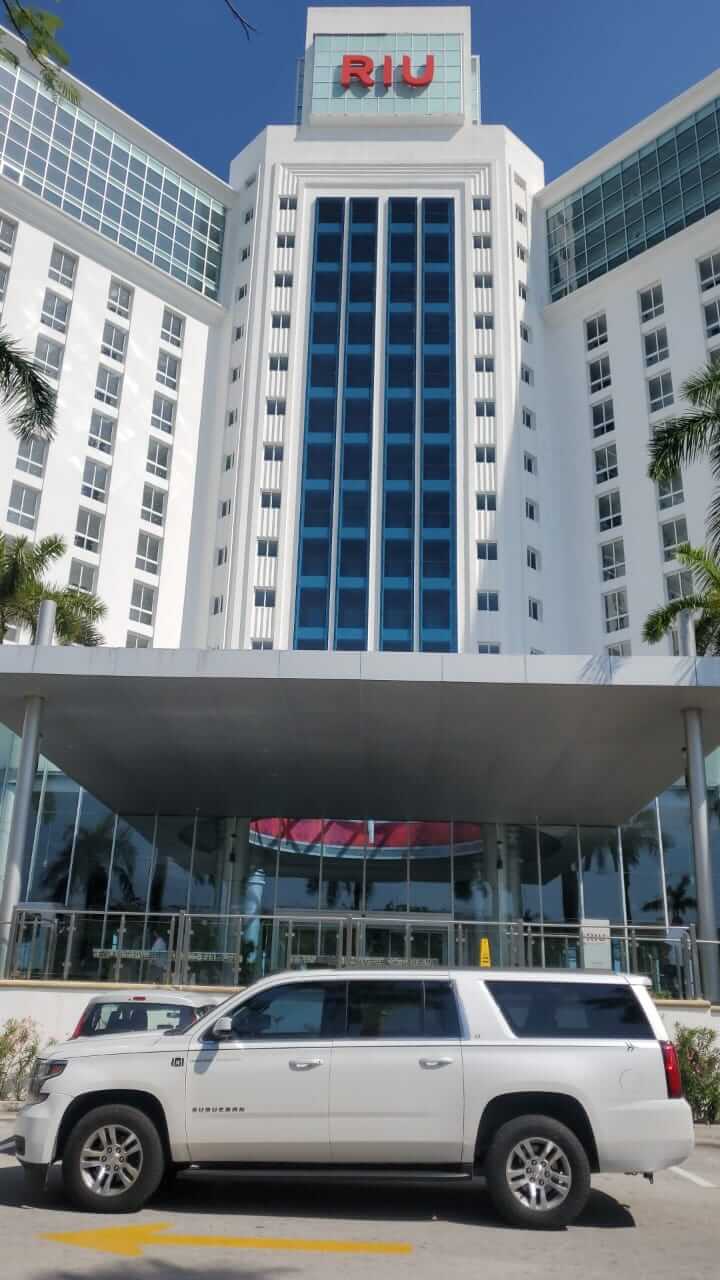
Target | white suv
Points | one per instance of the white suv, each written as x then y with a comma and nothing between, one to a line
532,1080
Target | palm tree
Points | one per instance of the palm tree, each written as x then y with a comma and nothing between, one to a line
691,436
706,599
24,393
23,566
678,899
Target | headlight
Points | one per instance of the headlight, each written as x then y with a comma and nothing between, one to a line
45,1069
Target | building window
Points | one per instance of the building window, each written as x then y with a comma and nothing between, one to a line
83,577
521,252
267,548
168,370
261,644
4,277
660,392
488,601
218,605
23,507
225,507
674,534
520,215
229,462
62,267
486,501
288,202
528,418
238,332
655,346
484,364
678,585
481,203
526,375
245,253
596,332
31,456
158,459
273,453
487,551
264,598
134,641
484,320
270,500
88,530
615,608
285,241
108,386
114,341
275,408
532,511
525,332
488,646
484,408
609,511
522,291
147,556
281,320
173,328
283,279
530,464
709,271
95,481
242,292
603,417
612,560
485,453
652,303
532,558
55,312
535,609
278,364
235,373
49,357
249,215
712,319
606,463
599,374
8,231
232,417
153,505
483,280
162,417
120,298
101,432
482,242
670,492
221,556
142,604
620,649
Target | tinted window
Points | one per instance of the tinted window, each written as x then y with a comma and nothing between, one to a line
606,1011
110,1017
401,1010
298,1011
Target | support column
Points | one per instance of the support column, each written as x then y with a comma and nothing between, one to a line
697,788
22,809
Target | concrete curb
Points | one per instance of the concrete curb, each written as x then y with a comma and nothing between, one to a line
9,1108
707,1135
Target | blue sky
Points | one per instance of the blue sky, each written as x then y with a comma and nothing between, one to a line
566,77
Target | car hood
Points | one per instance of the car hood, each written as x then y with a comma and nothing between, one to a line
122,1042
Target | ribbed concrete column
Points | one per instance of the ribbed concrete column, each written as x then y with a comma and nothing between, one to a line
22,809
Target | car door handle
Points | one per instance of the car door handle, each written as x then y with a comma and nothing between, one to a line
432,1064
305,1064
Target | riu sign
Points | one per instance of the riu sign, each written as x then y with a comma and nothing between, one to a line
360,68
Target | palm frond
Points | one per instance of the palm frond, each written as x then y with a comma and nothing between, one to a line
712,524
661,620
25,393
680,441
705,567
702,389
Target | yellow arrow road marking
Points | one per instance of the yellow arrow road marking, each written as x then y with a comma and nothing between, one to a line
129,1242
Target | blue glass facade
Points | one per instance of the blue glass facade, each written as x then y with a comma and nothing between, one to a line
72,161
651,195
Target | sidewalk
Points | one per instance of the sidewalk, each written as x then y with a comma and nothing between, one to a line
707,1135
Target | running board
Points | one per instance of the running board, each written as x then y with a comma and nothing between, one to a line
340,1173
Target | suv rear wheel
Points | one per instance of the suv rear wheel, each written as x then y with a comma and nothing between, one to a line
537,1172
113,1160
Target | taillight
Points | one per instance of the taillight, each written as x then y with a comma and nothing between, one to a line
671,1063
79,1028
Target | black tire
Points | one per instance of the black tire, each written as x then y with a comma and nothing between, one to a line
514,1204
144,1163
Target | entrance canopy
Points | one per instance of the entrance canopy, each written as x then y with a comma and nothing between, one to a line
559,739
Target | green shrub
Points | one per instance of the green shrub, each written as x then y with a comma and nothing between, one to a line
19,1048
700,1070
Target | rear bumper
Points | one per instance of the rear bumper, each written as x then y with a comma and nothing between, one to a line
646,1136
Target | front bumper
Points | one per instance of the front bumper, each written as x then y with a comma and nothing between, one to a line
36,1129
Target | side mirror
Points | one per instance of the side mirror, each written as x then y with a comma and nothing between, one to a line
223,1029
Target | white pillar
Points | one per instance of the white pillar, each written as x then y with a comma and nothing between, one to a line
22,809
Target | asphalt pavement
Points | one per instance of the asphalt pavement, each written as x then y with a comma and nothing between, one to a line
219,1225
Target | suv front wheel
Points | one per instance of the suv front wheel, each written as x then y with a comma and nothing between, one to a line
113,1160
538,1173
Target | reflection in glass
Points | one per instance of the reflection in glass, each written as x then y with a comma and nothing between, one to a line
677,851
54,840
641,868
600,859
91,855
132,860
173,857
